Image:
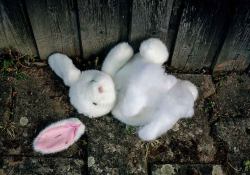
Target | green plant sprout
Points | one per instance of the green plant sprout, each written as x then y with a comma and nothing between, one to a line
20,75
246,164
84,142
220,84
128,129
212,103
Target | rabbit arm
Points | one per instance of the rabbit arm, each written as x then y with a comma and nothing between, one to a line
64,68
117,58
133,102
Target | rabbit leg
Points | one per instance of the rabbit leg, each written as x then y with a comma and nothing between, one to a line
154,50
117,58
157,127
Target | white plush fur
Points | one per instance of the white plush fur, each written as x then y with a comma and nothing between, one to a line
84,93
116,58
148,97
79,133
84,87
143,95
64,68
154,51
177,103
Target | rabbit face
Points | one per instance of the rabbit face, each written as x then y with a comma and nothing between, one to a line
93,94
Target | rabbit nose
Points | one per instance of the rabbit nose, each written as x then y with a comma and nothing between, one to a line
100,89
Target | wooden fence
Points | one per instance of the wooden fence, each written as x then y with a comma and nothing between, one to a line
200,34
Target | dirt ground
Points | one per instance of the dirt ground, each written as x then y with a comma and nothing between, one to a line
215,141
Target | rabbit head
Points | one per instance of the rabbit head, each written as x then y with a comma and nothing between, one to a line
91,92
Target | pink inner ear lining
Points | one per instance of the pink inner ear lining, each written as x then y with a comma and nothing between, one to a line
57,137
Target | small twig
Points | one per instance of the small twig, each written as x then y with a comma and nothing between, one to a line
232,166
96,61
147,151
23,65
13,132
3,128
39,64
11,171
10,133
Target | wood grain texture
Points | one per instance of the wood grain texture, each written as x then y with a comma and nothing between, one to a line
102,25
54,24
235,52
199,34
154,19
15,31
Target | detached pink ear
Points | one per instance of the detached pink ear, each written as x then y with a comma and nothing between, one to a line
59,136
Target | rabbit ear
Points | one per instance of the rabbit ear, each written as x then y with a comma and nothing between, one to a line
59,136
64,68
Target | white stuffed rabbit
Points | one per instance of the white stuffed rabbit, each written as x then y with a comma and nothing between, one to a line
134,87
91,92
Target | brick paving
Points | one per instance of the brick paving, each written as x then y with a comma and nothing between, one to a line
215,141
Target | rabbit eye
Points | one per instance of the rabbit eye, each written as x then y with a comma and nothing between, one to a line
92,81
94,103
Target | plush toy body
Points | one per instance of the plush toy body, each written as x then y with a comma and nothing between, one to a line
146,96
134,87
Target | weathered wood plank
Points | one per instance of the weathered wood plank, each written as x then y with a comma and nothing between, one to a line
154,19
102,25
235,52
54,24
199,34
15,32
